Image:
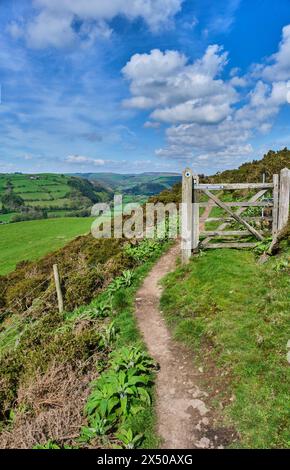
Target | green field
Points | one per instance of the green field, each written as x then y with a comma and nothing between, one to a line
48,192
32,240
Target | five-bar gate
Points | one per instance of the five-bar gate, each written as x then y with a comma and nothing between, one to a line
274,208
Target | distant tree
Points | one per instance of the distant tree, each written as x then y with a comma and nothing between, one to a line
12,201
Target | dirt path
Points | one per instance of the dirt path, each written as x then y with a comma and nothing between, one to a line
205,215
183,417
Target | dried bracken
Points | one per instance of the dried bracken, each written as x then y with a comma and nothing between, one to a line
49,408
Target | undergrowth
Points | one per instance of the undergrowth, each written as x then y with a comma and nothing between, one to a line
100,345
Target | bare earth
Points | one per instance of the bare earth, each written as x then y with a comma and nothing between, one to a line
184,421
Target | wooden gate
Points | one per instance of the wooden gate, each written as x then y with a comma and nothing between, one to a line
271,200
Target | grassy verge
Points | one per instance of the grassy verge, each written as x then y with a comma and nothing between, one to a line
234,314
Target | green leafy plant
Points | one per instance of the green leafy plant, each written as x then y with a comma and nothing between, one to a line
127,278
114,393
128,440
144,251
120,393
131,358
100,425
103,308
49,445
108,335
263,246
282,265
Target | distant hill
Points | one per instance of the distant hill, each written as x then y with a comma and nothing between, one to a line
27,197
144,184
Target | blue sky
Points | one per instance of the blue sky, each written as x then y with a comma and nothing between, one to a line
142,85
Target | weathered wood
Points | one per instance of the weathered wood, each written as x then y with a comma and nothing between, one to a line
187,216
254,198
275,212
241,204
58,288
195,215
233,186
223,233
234,215
228,219
284,198
231,245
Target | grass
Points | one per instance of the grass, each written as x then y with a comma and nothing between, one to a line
32,240
7,217
235,313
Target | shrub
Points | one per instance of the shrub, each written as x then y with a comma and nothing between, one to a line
82,286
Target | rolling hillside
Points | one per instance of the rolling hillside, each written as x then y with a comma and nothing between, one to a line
145,184
27,197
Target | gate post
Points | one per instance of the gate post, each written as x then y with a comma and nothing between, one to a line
284,198
275,212
186,216
195,212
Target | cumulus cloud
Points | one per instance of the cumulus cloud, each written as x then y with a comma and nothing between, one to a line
80,159
53,24
211,117
279,63
178,90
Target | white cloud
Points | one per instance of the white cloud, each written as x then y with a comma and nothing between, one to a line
53,25
47,30
279,67
211,118
151,125
180,91
79,159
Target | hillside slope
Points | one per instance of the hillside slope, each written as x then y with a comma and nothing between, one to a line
53,367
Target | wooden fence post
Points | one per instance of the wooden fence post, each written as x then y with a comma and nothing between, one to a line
58,288
186,216
195,221
284,198
275,212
